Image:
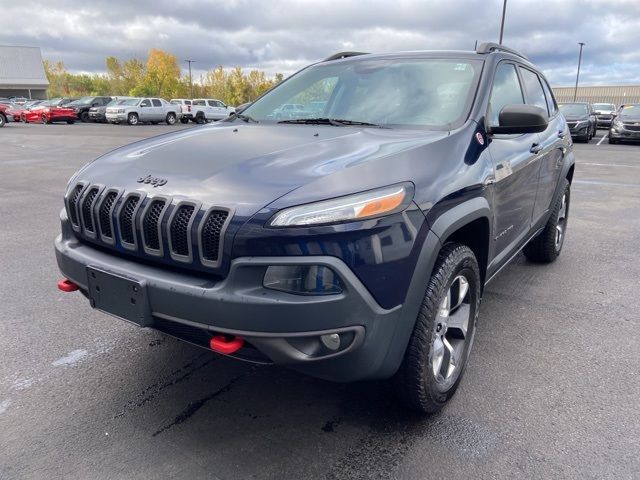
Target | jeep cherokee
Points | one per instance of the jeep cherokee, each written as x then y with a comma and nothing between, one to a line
351,245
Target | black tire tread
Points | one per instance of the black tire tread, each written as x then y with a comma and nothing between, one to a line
542,248
409,380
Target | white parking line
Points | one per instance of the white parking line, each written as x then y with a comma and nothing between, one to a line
602,139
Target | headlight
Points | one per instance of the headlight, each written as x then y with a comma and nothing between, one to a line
121,110
617,123
360,206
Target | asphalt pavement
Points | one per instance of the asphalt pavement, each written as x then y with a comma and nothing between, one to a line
552,389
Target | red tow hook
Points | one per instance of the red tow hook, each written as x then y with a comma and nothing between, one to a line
67,285
220,344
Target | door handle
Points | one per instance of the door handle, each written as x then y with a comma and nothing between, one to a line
561,134
535,148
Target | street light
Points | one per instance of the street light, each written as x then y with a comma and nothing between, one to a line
575,91
190,80
504,12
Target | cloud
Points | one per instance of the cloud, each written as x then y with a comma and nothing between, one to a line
285,35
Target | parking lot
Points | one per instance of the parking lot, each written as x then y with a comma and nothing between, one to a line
551,390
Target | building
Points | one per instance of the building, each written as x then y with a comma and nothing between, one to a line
616,94
22,73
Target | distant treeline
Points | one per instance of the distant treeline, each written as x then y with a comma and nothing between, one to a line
158,76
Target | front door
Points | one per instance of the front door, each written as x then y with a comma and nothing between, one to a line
515,160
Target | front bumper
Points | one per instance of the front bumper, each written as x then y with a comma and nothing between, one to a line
581,130
116,117
279,327
621,133
98,117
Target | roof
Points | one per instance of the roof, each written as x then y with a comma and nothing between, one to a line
21,67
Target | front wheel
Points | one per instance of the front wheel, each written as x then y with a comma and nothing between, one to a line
171,118
547,245
84,117
184,120
443,334
45,119
132,119
3,120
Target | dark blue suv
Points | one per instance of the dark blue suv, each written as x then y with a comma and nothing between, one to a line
350,241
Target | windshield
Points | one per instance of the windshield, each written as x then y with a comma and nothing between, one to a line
630,111
573,109
82,101
430,93
604,107
130,101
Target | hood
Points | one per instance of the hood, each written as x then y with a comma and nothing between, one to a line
628,118
244,166
576,118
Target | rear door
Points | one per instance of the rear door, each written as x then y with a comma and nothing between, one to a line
552,141
158,110
516,168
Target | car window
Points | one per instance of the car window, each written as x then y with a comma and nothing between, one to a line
199,102
506,91
211,103
218,104
533,89
145,103
187,102
156,102
552,106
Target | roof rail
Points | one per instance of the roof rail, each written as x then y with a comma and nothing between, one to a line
489,47
341,55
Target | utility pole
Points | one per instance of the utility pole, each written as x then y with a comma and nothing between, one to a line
190,79
504,13
575,91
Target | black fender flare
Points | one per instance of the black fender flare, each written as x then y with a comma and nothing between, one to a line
442,227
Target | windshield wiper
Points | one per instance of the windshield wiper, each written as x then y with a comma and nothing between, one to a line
246,118
337,122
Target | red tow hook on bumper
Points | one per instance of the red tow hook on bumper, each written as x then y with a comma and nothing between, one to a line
67,285
220,344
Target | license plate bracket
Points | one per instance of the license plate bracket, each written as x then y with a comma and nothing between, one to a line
122,297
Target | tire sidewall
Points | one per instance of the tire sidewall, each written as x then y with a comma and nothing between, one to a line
440,392
171,118
3,120
132,119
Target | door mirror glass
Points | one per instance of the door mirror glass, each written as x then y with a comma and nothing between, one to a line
518,119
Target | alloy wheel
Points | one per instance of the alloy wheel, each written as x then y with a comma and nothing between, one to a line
451,332
562,222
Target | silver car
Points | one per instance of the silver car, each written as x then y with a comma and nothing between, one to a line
137,110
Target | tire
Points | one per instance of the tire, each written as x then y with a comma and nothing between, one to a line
84,117
184,120
547,245
424,382
44,119
132,119
3,120
171,118
71,122
200,119
612,141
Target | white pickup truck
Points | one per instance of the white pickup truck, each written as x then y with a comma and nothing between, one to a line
206,109
185,107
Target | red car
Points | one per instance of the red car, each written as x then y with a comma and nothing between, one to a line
50,111
50,114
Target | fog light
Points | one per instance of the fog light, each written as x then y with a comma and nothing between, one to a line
331,341
303,279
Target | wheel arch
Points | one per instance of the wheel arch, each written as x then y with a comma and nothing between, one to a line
456,224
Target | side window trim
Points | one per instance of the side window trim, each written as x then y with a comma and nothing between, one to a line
524,87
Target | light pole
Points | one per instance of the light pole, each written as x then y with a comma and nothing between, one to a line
575,91
504,13
190,80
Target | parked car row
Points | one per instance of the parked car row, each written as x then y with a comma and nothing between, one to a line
131,110
585,118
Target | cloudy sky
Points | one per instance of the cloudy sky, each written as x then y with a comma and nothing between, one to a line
285,35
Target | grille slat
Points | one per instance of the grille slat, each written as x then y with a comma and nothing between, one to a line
155,227
104,214
150,224
87,209
73,204
179,230
127,232
211,234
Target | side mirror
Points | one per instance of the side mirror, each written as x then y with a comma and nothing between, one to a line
518,119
